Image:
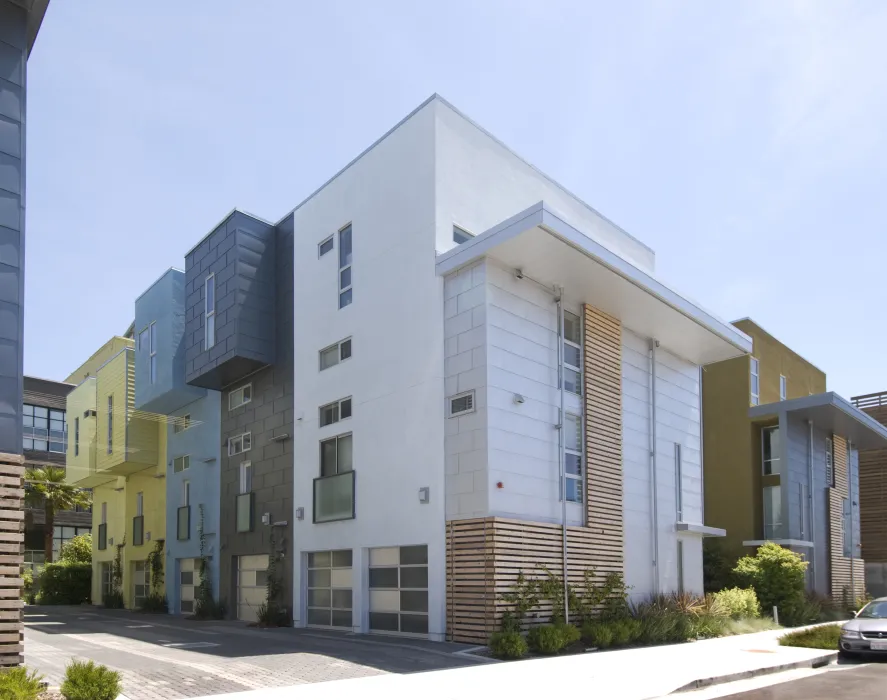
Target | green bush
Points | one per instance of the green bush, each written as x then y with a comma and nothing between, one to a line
155,603
508,645
27,585
823,637
625,631
748,626
777,576
272,615
20,684
77,550
570,633
62,583
806,610
113,600
739,602
598,634
88,681
546,639
708,626
665,627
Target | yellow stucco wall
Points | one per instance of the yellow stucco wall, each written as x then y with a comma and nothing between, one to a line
99,358
80,457
732,444
114,499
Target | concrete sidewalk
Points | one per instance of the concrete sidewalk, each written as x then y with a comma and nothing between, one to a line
631,674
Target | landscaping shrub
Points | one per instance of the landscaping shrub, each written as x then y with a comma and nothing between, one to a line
208,608
20,684
77,550
27,585
739,602
749,625
62,583
778,578
823,637
707,626
570,633
625,631
508,645
88,681
546,639
717,569
113,600
806,610
272,616
155,603
662,626
598,634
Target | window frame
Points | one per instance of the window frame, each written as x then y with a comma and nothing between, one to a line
140,504
245,478
185,462
331,239
234,438
754,378
767,430
343,266
152,352
242,390
186,493
45,432
339,359
574,452
336,439
456,397
209,315
783,387
338,406
576,346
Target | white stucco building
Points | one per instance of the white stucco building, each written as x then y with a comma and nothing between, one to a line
430,455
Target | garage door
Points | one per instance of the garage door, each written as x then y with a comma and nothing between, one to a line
252,577
399,590
189,579
140,581
329,589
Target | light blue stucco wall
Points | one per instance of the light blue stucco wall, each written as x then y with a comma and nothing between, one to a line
202,443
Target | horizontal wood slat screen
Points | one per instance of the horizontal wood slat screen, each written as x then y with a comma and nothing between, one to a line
11,559
485,556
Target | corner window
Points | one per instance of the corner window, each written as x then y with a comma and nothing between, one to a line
209,320
572,370
180,464
335,411
324,247
770,446
334,354
336,455
345,257
460,235
783,387
754,380
573,457
181,424
829,463
239,397
239,443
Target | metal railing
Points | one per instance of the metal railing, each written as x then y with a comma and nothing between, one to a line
334,497
870,400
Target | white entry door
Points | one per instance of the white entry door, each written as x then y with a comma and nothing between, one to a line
252,579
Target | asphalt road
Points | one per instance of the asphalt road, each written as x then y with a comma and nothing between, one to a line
868,682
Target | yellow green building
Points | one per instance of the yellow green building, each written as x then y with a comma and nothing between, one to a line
781,461
119,453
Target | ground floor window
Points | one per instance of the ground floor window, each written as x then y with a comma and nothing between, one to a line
329,588
106,578
65,533
140,583
398,578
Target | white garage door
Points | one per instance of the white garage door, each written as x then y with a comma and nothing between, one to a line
252,577
329,589
399,590
189,579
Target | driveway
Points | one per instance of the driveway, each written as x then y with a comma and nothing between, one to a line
162,657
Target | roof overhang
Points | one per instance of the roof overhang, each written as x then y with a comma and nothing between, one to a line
546,248
781,543
702,530
832,413
36,10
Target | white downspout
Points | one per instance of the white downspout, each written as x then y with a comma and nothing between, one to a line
811,503
560,448
654,489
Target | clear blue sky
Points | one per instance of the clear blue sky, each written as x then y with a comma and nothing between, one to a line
744,142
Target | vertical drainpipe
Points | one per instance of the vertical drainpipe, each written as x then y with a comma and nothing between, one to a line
811,502
701,448
852,518
560,446
654,490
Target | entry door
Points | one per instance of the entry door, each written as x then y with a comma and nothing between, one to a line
189,579
139,583
399,590
329,589
252,578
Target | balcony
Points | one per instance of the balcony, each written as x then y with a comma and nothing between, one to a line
334,497
138,530
244,508
183,523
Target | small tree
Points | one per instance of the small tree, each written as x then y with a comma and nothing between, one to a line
46,487
776,574
78,550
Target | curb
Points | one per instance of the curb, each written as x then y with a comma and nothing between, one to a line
815,662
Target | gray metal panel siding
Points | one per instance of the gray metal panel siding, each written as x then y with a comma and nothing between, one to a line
13,79
269,414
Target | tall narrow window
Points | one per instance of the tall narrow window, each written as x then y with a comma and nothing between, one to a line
772,497
104,514
140,504
345,267
152,351
783,387
110,424
209,321
754,380
186,493
679,481
847,527
572,380
76,436
770,447
680,558
246,477
573,457
829,463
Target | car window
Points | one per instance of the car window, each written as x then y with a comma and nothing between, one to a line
878,610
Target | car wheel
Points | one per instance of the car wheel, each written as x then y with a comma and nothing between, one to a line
847,655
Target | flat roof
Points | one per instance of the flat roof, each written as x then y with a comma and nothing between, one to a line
541,244
764,330
833,413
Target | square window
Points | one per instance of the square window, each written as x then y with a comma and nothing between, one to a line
574,491
345,278
572,328
571,355
319,616
345,299
342,558
187,578
329,357
318,560
572,381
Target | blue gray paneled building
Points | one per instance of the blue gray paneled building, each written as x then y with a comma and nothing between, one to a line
19,23
192,415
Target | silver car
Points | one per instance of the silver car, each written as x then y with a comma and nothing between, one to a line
867,632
